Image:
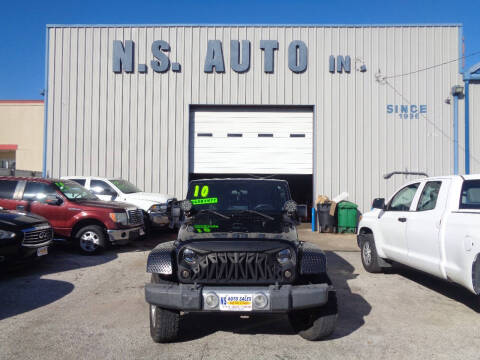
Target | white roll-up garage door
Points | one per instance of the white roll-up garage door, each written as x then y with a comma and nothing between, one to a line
251,140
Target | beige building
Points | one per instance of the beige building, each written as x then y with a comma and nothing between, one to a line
21,134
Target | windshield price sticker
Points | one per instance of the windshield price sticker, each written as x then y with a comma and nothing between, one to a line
204,228
204,201
236,302
60,185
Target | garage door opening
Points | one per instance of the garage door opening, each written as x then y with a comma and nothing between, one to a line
301,186
254,141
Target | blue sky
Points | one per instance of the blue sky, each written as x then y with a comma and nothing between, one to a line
22,48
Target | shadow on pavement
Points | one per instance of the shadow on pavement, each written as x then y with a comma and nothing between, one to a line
352,310
352,307
23,289
445,288
27,295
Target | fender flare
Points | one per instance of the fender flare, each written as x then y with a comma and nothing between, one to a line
312,259
160,259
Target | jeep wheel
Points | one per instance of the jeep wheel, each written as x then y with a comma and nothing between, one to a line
90,239
318,323
164,323
369,254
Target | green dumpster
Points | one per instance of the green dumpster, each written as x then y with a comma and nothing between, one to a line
347,217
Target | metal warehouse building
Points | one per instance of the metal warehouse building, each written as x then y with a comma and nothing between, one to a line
330,108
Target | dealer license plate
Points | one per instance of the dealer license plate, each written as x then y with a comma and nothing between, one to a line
236,302
42,251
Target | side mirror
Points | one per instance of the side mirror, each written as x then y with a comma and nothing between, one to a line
111,193
302,211
176,212
53,200
378,203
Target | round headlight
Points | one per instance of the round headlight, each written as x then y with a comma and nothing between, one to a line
189,256
186,205
284,256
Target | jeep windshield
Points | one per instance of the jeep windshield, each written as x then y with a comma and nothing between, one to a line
74,191
125,186
238,205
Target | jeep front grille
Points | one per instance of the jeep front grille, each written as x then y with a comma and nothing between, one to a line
135,217
238,267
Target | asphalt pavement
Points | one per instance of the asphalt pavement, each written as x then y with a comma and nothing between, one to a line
71,306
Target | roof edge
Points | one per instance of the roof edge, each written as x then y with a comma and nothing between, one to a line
21,101
258,25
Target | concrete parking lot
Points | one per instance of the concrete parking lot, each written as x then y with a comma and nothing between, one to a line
77,307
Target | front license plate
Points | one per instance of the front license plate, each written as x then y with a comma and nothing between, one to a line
42,251
236,302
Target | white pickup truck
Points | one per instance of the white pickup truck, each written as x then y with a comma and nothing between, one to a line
430,224
156,207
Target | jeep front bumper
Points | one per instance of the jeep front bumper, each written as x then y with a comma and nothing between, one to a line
283,298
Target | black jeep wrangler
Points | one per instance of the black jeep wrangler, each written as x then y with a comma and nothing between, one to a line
238,251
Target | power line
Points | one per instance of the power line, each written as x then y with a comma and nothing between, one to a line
431,67
428,120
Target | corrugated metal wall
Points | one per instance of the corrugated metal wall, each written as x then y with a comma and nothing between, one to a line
136,125
474,126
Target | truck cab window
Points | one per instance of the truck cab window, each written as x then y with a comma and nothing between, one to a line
37,191
101,187
7,189
428,199
79,181
470,198
403,199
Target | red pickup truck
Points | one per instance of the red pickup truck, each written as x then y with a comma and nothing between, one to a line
73,211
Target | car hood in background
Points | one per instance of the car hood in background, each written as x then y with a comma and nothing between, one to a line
113,205
20,219
153,197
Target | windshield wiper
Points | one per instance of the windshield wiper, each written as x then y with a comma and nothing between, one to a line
214,212
258,213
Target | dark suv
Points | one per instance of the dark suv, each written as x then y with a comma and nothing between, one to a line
73,211
23,237
238,252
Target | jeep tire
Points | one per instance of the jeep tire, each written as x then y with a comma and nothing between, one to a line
164,323
317,323
369,255
90,239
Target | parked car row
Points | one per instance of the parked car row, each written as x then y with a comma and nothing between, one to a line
72,212
156,207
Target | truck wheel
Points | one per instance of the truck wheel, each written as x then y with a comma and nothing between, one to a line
318,323
90,239
164,323
369,254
